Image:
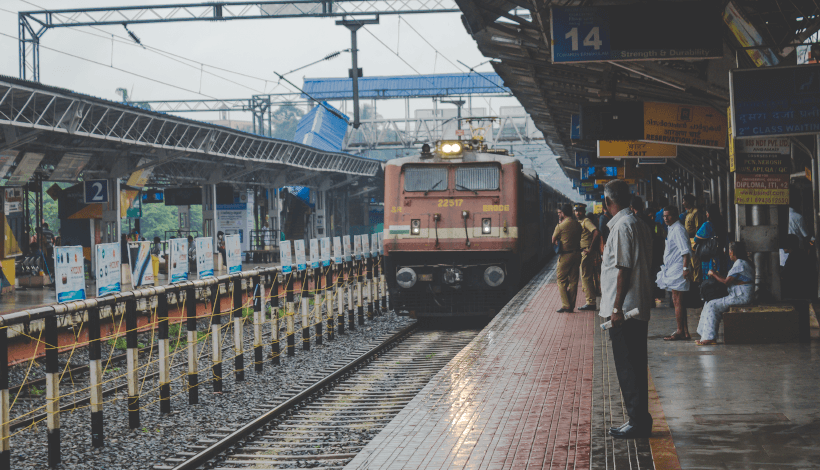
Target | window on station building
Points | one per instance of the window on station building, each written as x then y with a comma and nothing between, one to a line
477,178
425,178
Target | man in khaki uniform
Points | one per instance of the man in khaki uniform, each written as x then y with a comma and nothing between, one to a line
568,234
692,223
589,241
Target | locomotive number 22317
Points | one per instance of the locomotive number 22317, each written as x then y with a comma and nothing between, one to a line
450,202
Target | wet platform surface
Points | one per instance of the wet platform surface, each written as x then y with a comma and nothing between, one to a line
32,297
538,389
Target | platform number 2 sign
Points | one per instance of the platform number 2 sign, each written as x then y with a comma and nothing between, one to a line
96,191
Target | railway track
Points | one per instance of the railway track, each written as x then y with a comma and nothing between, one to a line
325,421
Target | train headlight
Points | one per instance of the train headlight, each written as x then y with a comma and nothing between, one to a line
406,278
415,226
450,149
494,276
485,226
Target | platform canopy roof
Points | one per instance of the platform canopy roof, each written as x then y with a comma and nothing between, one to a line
409,86
552,92
119,139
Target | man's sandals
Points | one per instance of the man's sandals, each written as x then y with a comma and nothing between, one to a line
706,342
677,337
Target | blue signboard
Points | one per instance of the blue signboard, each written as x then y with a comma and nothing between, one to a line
582,190
775,101
575,127
586,172
582,159
643,31
589,197
96,191
612,171
575,183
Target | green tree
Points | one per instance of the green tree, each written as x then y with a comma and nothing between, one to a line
285,119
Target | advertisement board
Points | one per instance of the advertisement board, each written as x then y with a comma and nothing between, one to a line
775,101
142,272
108,268
692,126
338,256
285,256
381,243
776,145
69,273
366,246
314,253
178,259
204,257
357,247
325,255
25,169
299,251
233,253
644,31
374,245
635,149
347,249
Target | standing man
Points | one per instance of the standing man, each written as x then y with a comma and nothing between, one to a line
589,241
567,236
797,226
692,222
676,270
626,286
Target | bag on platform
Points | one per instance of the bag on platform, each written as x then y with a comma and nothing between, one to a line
711,289
707,249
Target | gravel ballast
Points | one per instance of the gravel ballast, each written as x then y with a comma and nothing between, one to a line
161,436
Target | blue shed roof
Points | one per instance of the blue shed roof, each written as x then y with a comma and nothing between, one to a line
409,86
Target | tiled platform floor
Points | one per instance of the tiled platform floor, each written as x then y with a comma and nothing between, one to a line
519,396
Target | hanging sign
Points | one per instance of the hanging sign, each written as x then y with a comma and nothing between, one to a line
348,251
204,257
178,259
761,189
775,101
691,126
366,246
25,169
285,256
108,268
581,159
69,273
644,31
575,127
233,253
7,157
325,254
337,250
142,273
635,149
314,253
775,145
299,250
69,167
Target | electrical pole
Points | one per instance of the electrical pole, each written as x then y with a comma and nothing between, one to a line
355,72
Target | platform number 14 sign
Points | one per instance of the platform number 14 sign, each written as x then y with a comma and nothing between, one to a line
96,191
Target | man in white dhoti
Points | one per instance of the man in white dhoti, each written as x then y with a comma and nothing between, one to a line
676,271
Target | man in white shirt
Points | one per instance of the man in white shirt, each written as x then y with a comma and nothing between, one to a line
797,226
626,286
676,271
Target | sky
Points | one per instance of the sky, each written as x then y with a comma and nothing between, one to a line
236,59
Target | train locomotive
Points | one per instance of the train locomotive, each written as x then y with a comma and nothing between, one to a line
465,227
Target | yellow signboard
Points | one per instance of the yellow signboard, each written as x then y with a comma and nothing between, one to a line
761,196
681,124
732,163
635,149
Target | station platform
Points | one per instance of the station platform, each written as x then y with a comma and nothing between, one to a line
33,297
538,389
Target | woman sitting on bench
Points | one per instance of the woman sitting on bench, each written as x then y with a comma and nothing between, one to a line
740,284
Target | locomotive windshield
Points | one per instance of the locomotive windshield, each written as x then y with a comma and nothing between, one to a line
477,178
425,178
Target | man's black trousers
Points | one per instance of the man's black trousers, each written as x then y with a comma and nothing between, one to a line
629,352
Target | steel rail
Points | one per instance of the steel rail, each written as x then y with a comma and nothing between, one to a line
246,430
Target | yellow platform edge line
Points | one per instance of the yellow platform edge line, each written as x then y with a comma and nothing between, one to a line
664,454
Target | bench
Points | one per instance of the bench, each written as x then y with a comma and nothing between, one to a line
755,324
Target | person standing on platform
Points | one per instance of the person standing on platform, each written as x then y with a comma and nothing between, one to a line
603,220
676,270
567,236
625,287
589,242
692,223
797,227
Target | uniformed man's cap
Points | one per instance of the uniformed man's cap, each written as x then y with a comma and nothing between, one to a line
581,207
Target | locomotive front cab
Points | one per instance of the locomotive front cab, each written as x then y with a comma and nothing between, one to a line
450,231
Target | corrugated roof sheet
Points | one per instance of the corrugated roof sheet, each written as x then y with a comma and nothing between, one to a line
322,129
406,86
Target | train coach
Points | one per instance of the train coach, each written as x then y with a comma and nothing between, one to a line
465,227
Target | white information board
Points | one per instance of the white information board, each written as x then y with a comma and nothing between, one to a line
338,255
325,255
178,259
233,253
374,244
285,256
314,253
108,268
357,246
366,246
142,272
69,275
299,251
205,257
381,243
347,248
